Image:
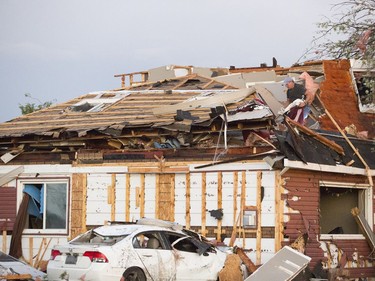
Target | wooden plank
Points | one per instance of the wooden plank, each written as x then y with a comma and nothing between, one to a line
365,227
142,196
157,196
11,175
16,277
219,203
203,209
172,197
84,203
259,219
113,196
320,138
187,205
4,241
127,198
31,250
279,212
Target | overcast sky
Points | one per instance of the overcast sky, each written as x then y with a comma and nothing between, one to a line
58,50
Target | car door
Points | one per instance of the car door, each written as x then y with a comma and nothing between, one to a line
155,255
194,264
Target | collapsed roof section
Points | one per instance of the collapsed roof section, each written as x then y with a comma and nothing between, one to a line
238,108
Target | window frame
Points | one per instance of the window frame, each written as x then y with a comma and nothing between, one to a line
21,182
367,206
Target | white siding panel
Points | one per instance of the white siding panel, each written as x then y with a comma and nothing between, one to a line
135,181
180,195
196,198
98,209
120,197
150,195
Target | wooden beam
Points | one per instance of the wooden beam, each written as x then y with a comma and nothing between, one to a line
279,211
4,249
157,196
16,277
127,198
84,203
172,197
10,175
31,250
259,219
325,141
142,196
187,204
113,196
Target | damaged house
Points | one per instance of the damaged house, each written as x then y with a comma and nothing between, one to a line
208,148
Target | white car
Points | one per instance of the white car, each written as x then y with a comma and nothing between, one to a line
147,250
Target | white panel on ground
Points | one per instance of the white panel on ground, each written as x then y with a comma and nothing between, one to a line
283,266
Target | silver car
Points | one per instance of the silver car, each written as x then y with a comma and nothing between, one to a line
147,250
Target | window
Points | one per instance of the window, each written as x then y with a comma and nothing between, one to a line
250,217
336,202
47,209
148,240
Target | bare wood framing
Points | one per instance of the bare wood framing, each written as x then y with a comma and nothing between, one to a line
142,196
279,211
203,210
187,207
84,203
127,198
259,218
157,195
31,249
113,196
219,203
172,196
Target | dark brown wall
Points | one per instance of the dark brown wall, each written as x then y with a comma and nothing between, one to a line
8,202
302,193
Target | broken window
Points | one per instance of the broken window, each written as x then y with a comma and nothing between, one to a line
47,208
148,240
336,203
93,105
365,84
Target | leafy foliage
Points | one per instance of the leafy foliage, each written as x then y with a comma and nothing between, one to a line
31,107
350,34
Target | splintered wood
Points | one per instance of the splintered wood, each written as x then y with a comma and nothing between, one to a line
232,269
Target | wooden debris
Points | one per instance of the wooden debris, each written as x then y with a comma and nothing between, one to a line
232,269
16,277
251,267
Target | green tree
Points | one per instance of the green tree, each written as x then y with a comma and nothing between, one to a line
31,107
349,34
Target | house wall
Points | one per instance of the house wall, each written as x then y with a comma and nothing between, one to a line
301,194
177,191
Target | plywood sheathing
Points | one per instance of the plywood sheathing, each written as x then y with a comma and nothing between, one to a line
79,204
302,196
339,98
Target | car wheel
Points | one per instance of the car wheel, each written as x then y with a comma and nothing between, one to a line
134,274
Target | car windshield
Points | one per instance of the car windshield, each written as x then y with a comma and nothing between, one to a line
91,237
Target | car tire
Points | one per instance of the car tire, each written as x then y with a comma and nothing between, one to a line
134,274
